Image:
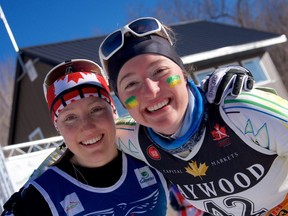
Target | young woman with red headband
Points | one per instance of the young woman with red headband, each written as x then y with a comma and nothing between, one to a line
227,159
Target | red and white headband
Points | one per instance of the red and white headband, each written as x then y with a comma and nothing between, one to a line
74,86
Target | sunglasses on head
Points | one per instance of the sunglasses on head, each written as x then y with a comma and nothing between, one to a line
139,27
68,67
71,66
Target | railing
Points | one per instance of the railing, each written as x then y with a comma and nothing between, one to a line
6,187
33,146
22,155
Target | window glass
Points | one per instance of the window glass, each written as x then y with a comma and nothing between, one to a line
200,75
36,135
254,66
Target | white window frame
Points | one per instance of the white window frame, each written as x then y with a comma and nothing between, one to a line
266,74
257,59
36,133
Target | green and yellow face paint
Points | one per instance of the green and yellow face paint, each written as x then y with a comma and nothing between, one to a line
173,80
131,102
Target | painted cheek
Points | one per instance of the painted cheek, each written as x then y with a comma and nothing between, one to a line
173,81
131,102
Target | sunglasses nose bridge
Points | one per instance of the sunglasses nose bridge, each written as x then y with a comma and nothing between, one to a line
124,30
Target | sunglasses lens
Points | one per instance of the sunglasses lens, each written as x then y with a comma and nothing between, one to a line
113,42
143,26
54,75
74,66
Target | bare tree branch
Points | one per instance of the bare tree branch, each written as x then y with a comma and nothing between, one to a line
6,92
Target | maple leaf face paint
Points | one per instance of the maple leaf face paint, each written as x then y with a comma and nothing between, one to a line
173,80
131,102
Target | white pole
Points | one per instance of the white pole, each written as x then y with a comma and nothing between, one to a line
2,16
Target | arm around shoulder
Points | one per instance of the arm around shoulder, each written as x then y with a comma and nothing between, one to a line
127,130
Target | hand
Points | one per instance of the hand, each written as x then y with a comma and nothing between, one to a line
231,79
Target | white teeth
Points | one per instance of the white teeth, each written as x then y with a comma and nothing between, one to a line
91,141
158,106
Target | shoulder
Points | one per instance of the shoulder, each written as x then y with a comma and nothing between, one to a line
127,125
32,202
127,140
127,120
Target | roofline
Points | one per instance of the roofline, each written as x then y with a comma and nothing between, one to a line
232,50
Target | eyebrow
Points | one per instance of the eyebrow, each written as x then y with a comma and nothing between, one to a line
65,110
96,100
151,64
125,76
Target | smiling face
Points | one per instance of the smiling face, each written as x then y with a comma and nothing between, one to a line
88,128
153,89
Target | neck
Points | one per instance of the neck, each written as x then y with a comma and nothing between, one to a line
97,161
104,176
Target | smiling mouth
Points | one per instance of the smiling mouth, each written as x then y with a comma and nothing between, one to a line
158,106
92,141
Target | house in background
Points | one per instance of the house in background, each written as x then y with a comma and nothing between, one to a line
206,45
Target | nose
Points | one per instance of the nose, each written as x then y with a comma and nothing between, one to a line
88,123
150,88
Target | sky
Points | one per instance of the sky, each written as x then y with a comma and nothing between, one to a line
39,22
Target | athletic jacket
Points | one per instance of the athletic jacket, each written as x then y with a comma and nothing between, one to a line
238,167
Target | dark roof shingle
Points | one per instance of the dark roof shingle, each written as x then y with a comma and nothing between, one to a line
192,38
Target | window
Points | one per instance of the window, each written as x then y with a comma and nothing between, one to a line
32,73
36,134
254,65
201,74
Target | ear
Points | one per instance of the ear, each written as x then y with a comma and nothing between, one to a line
56,128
